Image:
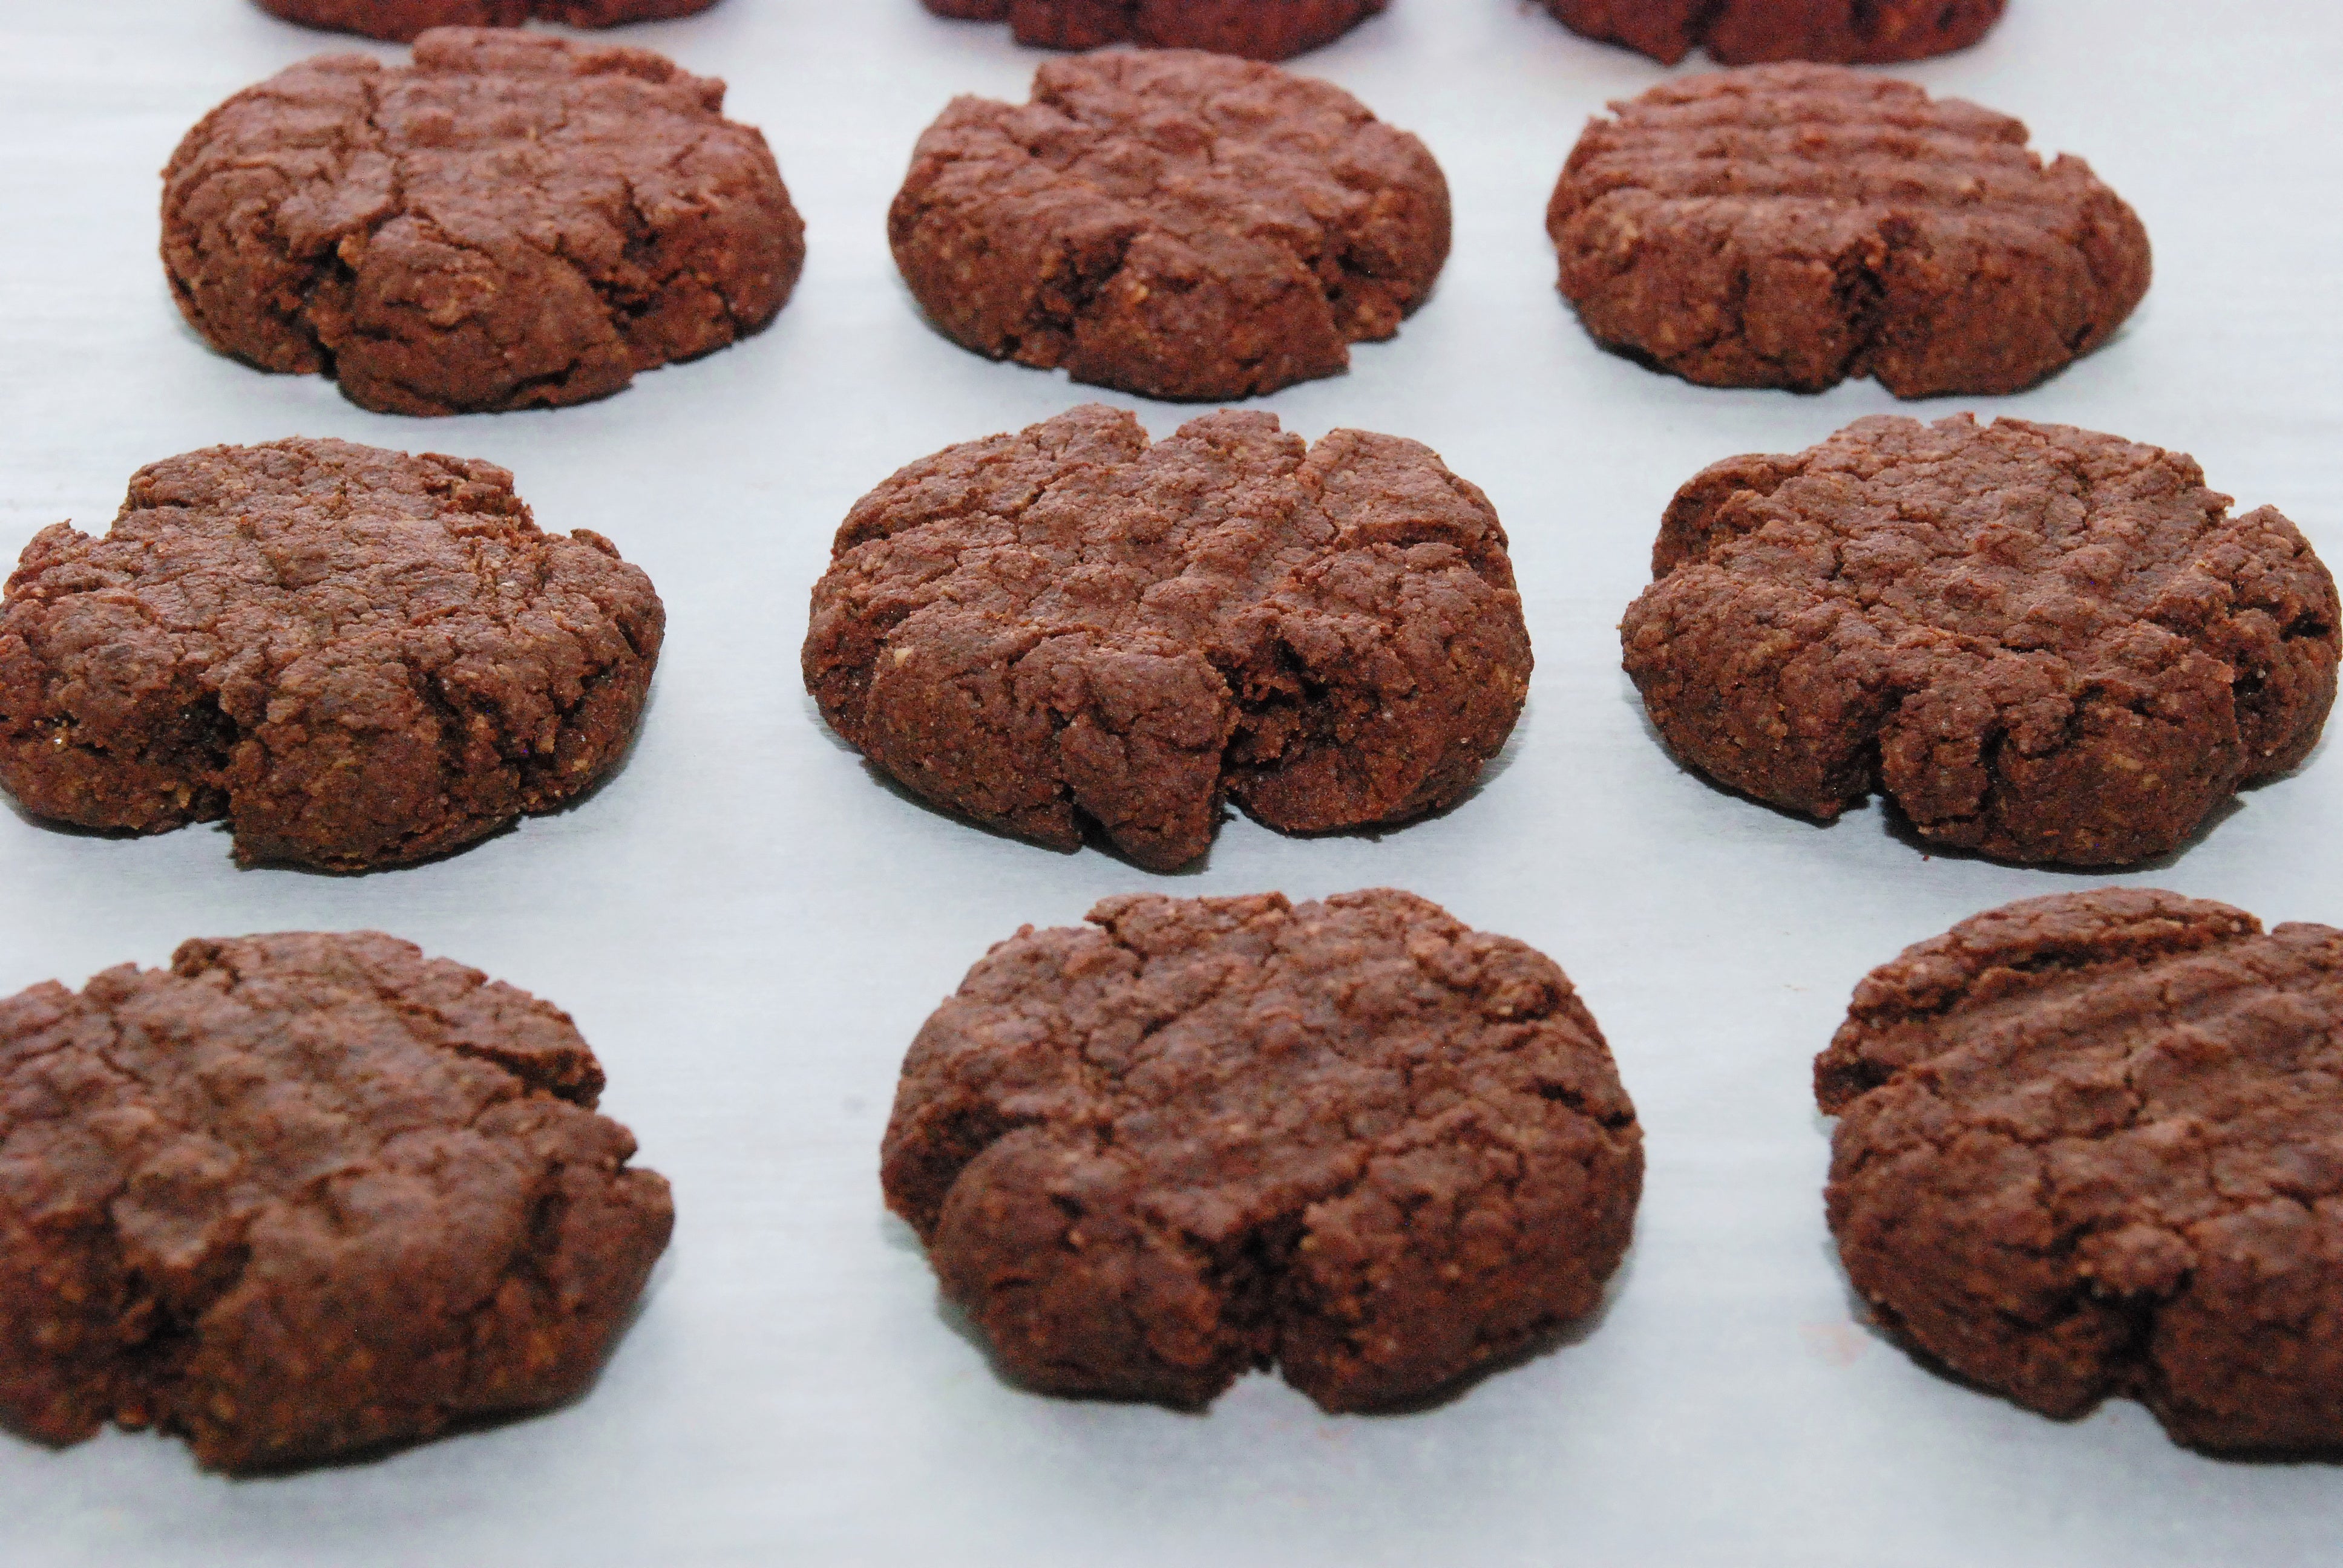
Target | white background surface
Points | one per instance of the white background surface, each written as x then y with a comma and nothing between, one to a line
749,928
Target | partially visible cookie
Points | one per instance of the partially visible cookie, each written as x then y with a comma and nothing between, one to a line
2092,1144
1256,29
1070,626
404,20
1174,224
301,1195
357,658
2045,644
1354,1140
1748,32
512,221
1797,226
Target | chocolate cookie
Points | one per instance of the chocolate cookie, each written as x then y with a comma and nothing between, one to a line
1174,224
511,221
403,20
1257,29
1352,1138
302,1195
1070,626
2092,1144
1795,225
1746,32
355,657
2046,645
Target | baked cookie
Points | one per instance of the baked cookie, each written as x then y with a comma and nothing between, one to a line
1069,626
356,657
510,221
299,1195
1256,29
1797,225
2092,1144
2046,645
1352,1138
1174,224
1746,32
404,20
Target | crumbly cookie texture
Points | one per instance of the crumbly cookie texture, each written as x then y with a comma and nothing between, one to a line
355,657
1256,29
1073,626
2092,1144
2045,644
1748,32
1797,226
1352,1138
302,1195
1170,223
511,221
402,21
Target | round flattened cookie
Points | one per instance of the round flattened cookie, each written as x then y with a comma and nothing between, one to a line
2046,645
2092,1144
511,221
1748,31
301,1195
1797,226
1256,29
356,657
1070,626
1174,224
404,20
1352,1138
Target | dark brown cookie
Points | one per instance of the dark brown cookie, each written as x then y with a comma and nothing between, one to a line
1352,1138
404,20
1170,223
2092,1144
301,1195
1797,225
1256,29
2047,645
1748,32
355,657
1069,625
511,221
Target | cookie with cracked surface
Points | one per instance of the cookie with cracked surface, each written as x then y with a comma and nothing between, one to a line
1255,29
1798,225
1749,32
1174,224
356,657
511,221
301,1195
2092,1145
402,21
2047,645
1354,1140
1070,626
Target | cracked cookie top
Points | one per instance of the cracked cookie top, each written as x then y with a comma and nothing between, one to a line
355,657
1256,29
2045,644
1070,625
1797,225
1170,223
1354,1138
511,221
403,20
2092,1144
1746,32
301,1195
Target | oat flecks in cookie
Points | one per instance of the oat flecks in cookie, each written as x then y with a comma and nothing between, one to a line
1256,29
1170,223
1069,624
1352,1138
2092,1145
1748,31
302,1195
355,657
1797,226
2047,645
402,21
511,221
